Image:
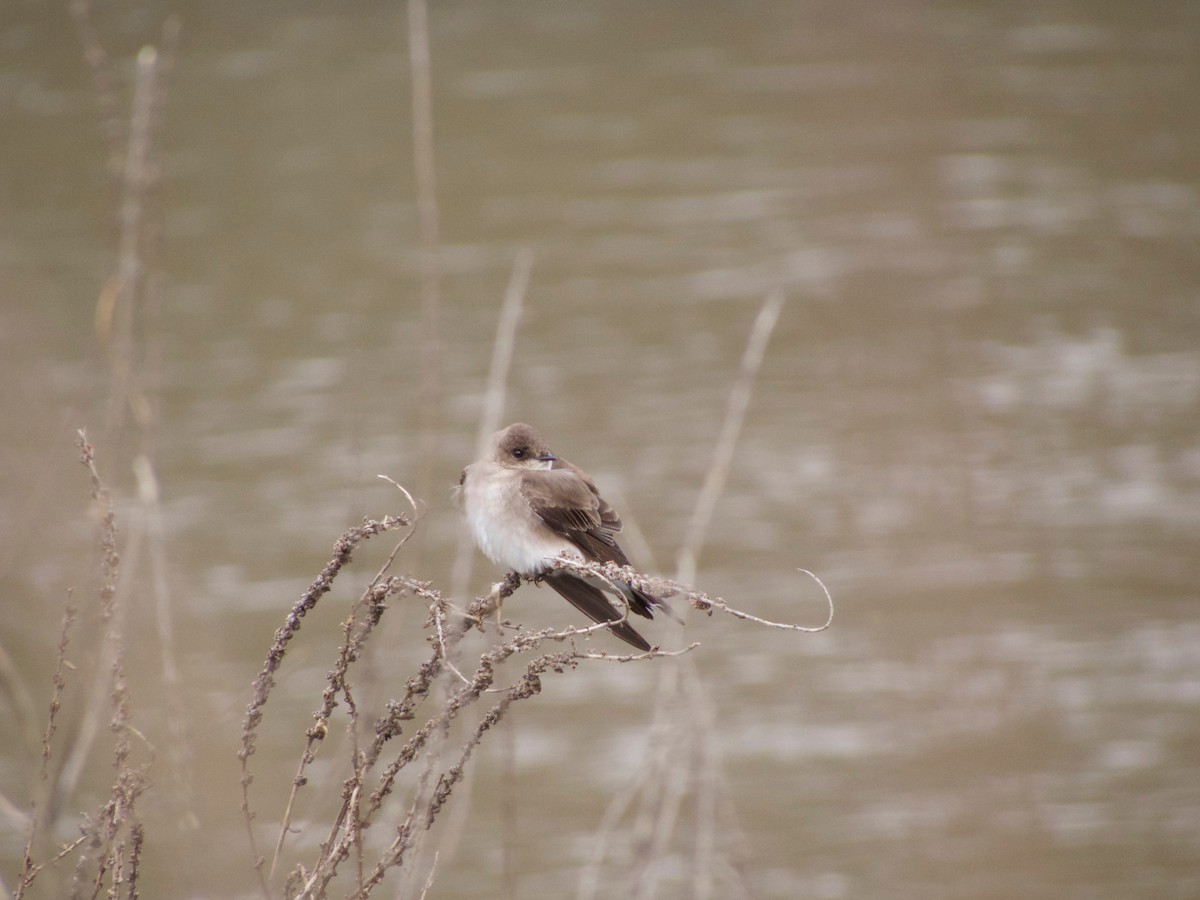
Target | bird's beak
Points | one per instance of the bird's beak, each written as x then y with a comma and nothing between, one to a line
548,457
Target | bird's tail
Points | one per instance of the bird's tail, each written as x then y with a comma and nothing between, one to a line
592,602
645,604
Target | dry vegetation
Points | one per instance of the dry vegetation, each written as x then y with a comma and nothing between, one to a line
398,770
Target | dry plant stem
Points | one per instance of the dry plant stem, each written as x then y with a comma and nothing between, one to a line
735,414
454,705
33,869
661,807
669,778
404,710
648,781
115,838
509,810
708,788
343,550
481,608
733,841
138,177
356,629
355,635
394,854
147,406
28,869
662,786
502,348
493,405
102,82
72,769
439,618
419,859
130,265
705,761
527,686
172,680
59,681
429,880
493,409
425,807
439,780
427,212
697,599
408,854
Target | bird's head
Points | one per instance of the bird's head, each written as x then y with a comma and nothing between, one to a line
519,446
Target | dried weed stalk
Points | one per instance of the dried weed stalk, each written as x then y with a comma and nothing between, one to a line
373,791
111,838
372,783
646,825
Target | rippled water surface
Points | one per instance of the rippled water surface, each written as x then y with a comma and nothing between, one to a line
977,419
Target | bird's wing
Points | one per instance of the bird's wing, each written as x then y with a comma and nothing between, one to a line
568,502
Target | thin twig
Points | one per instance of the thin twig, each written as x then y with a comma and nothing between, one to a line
493,404
146,402
502,349
652,653
668,587
735,414
686,759
429,880
115,834
29,870
130,262
439,616
343,551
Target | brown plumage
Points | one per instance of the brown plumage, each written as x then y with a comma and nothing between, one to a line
527,506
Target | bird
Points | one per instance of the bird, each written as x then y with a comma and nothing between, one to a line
525,506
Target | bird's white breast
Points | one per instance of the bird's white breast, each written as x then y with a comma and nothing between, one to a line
502,523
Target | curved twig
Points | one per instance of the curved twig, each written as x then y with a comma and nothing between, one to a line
700,600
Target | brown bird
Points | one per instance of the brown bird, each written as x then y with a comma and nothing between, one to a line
526,506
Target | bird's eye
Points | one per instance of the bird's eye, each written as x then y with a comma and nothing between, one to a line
518,452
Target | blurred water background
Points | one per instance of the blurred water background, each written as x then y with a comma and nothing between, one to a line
977,419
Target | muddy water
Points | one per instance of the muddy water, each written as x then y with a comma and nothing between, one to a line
977,418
